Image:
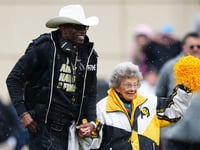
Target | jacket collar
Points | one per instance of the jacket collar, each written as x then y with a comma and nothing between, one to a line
115,104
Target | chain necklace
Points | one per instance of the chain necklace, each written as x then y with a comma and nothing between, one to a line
74,66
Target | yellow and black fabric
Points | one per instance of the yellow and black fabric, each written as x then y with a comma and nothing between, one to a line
141,130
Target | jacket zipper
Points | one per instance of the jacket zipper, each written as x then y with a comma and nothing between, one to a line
52,79
83,92
153,146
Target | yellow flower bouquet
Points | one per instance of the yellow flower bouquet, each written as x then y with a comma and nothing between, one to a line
187,72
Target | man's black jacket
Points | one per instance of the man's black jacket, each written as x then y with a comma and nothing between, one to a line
30,83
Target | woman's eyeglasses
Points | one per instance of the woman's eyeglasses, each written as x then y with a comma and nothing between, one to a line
130,86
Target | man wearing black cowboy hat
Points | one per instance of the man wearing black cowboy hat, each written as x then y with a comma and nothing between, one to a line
53,85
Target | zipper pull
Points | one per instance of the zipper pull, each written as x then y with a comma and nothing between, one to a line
73,100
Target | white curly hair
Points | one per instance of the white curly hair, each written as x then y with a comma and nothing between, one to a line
124,70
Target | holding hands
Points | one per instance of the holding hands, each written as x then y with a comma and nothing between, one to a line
85,129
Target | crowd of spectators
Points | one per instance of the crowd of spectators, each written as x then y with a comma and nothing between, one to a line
156,55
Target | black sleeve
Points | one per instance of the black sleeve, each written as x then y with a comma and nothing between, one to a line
18,77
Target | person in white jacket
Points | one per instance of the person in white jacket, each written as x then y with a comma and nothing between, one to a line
130,121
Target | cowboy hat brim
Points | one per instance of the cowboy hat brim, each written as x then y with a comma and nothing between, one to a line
57,21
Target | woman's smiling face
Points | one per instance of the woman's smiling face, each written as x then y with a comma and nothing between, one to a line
128,88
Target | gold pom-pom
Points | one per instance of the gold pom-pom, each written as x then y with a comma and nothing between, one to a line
187,72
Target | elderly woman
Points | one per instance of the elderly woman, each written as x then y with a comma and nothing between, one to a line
130,121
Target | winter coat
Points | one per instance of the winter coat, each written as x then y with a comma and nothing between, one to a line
141,131
31,81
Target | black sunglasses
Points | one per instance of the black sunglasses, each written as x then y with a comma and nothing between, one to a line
193,46
77,26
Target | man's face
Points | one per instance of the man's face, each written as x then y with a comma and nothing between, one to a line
74,33
192,46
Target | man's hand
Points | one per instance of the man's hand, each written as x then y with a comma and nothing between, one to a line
85,129
28,122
